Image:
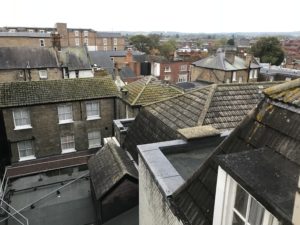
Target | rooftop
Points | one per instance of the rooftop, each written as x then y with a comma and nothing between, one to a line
16,94
75,58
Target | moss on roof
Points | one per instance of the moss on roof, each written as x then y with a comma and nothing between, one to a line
149,90
26,93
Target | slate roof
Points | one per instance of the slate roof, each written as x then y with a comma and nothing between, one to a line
270,125
148,90
108,166
108,34
25,34
222,106
75,58
219,62
16,94
22,57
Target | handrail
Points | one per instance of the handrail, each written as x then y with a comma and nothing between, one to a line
13,214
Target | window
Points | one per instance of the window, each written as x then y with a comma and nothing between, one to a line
233,76
255,74
115,49
227,81
43,74
65,114
167,77
25,150
30,30
182,78
42,31
86,41
42,43
77,42
94,139
67,144
235,206
240,79
85,33
105,48
92,110
21,119
167,69
251,76
115,41
183,68
76,33
104,41
12,30
288,79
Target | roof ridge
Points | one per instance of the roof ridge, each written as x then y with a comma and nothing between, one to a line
207,104
141,92
282,87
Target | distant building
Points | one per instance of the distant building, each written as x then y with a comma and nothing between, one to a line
277,73
225,67
61,36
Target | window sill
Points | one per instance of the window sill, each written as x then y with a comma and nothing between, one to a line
65,121
68,150
93,118
95,146
27,158
23,127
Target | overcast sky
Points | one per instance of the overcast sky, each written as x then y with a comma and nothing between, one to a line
155,15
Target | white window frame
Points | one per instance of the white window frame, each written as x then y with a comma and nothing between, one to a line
255,74
104,41
85,33
240,79
225,200
12,30
115,41
30,30
94,139
42,31
233,76
43,74
76,33
77,42
25,116
167,69
42,43
167,77
25,146
94,112
183,67
182,78
105,48
251,75
86,41
67,143
62,114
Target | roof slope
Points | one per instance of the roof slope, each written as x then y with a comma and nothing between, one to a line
270,125
75,58
222,106
27,57
148,90
16,94
108,166
219,62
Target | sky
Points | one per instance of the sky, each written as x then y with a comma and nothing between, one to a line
192,16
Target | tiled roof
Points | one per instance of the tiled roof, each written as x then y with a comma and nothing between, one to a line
288,92
25,57
75,58
16,94
277,127
221,106
108,166
149,90
219,62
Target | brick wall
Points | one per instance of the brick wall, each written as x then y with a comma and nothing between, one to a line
45,132
153,207
22,75
24,41
175,71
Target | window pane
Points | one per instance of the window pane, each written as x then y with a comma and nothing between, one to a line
25,148
256,213
241,200
236,220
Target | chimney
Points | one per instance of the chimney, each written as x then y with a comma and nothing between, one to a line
248,60
129,58
230,55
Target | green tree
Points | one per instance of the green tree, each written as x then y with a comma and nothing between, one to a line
141,43
230,42
167,49
269,50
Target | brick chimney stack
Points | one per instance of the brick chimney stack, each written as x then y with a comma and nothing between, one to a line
248,60
230,55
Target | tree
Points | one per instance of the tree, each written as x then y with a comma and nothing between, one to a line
230,42
167,49
141,43
269,50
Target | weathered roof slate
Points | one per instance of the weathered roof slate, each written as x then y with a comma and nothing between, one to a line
268,125
219,62
148,90
75,58
108,166
27,93
25,57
